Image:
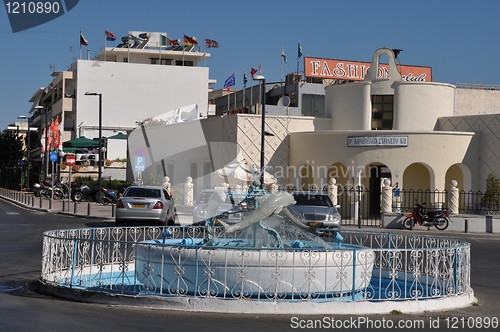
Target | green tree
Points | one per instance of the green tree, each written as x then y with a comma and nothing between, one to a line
491,197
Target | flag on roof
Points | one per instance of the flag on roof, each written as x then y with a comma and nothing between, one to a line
299,50
209,43
173,42
190,41
231,81
109,35
253,71
245,80
83,41
283,54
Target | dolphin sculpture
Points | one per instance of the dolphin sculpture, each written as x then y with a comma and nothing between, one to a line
267,206
296,222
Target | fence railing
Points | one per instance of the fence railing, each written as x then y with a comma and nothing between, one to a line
392,266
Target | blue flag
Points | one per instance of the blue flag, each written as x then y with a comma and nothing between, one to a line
231,81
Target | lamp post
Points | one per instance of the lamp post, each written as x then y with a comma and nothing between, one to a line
99,176
262,81
45,154
24,117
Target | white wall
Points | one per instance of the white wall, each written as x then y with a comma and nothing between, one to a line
349,106
133,92
418,105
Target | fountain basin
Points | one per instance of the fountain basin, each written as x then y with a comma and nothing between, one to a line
232,267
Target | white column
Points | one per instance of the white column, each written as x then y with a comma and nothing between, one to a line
453,198
333,190
386,196
188,191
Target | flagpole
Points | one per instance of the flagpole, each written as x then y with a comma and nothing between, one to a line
183,46
244,86
234,90
204,51
104,46
251,93
298,57
80,44
281,74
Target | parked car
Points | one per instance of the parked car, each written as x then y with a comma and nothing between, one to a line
146,205
225,203
316,208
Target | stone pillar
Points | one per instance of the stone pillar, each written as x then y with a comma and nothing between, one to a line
386,196
188,191
167,186
453,198
333,190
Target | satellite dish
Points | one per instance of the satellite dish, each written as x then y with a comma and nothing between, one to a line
284,101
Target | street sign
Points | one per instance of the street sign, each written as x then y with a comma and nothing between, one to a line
53,156
140,163
70,160
140,160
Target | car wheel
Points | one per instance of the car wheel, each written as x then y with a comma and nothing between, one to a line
171,222
119,222
77,196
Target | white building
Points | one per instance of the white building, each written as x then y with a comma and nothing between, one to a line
135,82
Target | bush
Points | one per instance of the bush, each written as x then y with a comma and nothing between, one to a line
491,198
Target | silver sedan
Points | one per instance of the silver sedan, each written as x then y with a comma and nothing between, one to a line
145,205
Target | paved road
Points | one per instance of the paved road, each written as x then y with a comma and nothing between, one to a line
21,309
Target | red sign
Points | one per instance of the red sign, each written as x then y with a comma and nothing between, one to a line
70,160
356,71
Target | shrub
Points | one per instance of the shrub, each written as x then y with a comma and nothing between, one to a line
491,197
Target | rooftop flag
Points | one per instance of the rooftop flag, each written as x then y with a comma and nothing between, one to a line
283,54
253,71
109,35
231,81
299,50
83,41
244,79
209,43
190,41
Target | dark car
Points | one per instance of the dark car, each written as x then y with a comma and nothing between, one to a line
145,205
316,208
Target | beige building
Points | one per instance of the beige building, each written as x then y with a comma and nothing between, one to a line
420,135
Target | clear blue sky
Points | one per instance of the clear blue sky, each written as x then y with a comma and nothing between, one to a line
458,39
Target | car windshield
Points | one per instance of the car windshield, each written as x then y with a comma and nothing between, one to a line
312,199
142,192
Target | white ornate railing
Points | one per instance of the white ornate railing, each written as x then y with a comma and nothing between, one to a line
393,267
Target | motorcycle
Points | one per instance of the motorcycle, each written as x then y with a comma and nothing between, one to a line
79,193
40,189
108,197
438,219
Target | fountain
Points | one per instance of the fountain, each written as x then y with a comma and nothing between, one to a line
268,253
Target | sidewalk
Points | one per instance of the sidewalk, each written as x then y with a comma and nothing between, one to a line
90,210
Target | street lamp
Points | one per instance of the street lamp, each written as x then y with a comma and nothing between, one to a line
24,117
262,80
99,176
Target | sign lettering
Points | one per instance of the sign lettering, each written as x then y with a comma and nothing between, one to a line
377,141
356,71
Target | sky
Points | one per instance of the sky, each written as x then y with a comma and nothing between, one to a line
458,39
